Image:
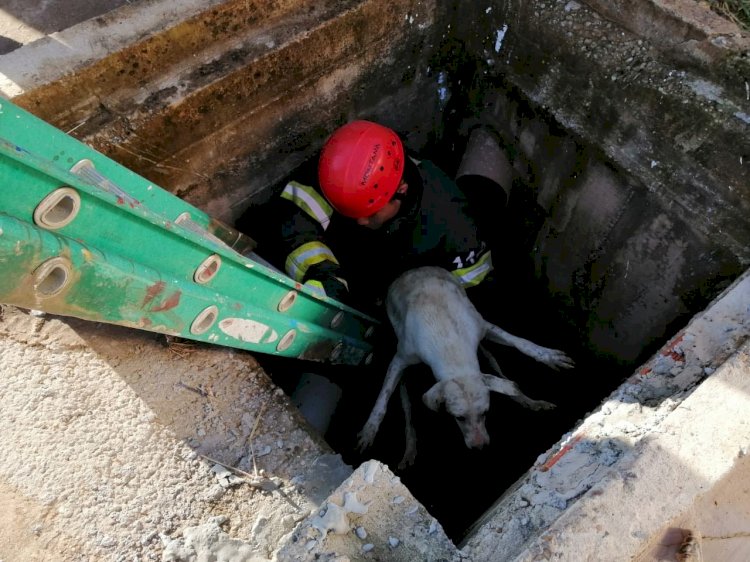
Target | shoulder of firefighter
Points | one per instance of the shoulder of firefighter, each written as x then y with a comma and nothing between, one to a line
445,214
309,259
447,234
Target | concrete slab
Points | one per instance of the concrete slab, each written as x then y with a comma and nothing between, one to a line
659,442
110,448
23,22
370,516
670,476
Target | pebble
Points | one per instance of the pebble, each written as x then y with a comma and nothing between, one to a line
367,547
361,533
393,541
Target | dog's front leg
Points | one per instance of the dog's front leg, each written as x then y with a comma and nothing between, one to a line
410,451
553,358
392,378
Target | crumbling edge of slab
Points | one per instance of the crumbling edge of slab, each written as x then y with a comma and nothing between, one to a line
594,462
50,58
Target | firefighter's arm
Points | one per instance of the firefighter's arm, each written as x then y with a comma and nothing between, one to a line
309,259
467,256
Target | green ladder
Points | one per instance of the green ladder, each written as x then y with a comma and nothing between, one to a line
82,236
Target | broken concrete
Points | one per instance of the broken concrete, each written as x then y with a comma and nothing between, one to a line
110,447
587,497
372,515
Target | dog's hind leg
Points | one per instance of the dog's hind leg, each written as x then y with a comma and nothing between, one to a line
553,358
392,378
410,452
510,389
494,365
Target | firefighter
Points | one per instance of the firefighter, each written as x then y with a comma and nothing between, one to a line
362,212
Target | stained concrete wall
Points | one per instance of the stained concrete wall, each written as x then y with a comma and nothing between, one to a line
216,101
629,126
633,129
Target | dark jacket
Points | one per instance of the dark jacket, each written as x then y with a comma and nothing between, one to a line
303,235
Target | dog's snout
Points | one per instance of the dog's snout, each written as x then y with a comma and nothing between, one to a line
477,439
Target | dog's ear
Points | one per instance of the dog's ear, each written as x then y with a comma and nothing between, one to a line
434,397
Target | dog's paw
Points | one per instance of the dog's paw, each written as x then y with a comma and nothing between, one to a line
410,454
408,459
365,438
555,359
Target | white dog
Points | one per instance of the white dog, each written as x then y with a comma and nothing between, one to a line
437,324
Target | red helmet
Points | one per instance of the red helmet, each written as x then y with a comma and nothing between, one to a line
360,168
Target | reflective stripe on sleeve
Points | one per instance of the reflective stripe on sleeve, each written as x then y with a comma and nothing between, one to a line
306,256
316,286
310,201
474,274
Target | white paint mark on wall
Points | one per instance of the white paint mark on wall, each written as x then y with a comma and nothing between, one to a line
442,87
500,36
8,87
705,89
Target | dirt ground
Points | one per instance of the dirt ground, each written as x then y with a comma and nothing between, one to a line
121,446
109,449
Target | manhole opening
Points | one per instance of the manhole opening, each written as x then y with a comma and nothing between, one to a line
455,484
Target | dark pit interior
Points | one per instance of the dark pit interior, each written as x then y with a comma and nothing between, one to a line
457,484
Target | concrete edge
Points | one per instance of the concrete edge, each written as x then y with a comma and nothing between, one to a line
48,59
661,477
572,473
370,516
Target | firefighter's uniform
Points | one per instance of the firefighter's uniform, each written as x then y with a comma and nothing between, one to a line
306,237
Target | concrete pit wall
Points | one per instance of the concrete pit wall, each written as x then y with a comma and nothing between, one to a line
631,133
216,102
634,142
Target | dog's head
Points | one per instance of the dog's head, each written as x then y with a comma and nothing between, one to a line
467,399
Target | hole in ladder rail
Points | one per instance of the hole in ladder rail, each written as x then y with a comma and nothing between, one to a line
336,353
204,320
57,209
337,320
208,269
287,301
286,340
51,277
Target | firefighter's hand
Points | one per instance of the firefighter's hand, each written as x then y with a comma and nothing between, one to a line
336,288
330,286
